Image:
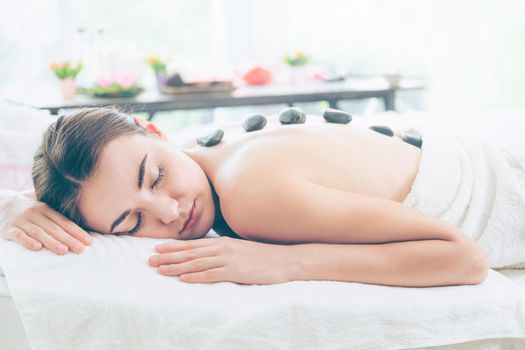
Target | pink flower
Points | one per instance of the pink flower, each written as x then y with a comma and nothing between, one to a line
126,81
104,83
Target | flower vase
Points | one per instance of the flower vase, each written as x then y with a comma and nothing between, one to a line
296,75
161,80
67,88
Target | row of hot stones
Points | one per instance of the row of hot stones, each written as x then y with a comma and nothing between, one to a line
294,115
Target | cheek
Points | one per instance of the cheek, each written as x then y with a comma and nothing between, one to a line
183,177
95,216
158,230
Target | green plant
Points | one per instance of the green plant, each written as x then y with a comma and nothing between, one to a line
298,58
158,65
65,69
122,87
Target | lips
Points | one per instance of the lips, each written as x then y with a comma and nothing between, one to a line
189,216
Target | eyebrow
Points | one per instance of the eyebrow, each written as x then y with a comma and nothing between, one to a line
125,214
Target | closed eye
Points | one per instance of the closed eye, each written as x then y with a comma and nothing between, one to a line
137,226
155,183
159,178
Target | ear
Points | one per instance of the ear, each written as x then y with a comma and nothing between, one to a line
151,128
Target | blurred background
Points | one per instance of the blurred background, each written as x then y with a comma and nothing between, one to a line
465,54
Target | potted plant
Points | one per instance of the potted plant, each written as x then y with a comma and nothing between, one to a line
296,61
66,72
123,86
159,68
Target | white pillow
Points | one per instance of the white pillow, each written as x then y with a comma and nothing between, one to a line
21,130
23,118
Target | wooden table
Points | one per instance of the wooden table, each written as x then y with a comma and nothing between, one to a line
151,101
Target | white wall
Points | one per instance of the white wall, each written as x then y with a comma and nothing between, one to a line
471,52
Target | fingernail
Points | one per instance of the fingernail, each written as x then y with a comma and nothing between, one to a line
62,249
87,240
36,245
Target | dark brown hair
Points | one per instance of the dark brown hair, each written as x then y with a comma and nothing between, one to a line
70,152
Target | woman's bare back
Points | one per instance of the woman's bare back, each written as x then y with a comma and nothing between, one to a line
347,157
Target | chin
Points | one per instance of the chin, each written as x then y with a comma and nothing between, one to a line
199,233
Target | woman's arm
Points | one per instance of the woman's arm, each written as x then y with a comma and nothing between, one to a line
11,202
293,209
371,240
411,264
33,224
422,263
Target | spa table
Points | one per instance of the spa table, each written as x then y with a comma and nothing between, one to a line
152,101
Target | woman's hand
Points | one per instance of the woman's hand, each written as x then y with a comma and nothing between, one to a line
39,225
223,259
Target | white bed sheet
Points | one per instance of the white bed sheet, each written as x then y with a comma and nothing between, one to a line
107,297
13,335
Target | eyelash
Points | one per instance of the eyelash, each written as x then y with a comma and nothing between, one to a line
161,175
157,181
136,228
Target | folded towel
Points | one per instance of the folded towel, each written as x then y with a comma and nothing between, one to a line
477,186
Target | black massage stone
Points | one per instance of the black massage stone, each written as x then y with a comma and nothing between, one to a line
336,116
254,122
292,115
412,138
385,130
211,139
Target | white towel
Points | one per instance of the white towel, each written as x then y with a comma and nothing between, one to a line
109,298
477,186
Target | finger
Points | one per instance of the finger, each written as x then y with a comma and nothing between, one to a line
17,235
183,245
69,226
208,276
60,235
197,265
181,256
40,235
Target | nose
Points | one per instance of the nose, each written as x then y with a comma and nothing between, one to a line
165,209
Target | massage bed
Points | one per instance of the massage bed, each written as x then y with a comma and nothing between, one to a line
107,297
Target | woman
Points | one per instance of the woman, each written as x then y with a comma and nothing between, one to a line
312,201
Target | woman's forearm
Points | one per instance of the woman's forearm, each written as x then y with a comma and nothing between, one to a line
422,263
11,203
29,194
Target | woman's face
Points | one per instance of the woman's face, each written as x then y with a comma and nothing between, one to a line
146,187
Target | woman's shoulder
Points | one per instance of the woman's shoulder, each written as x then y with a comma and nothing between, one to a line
252,194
